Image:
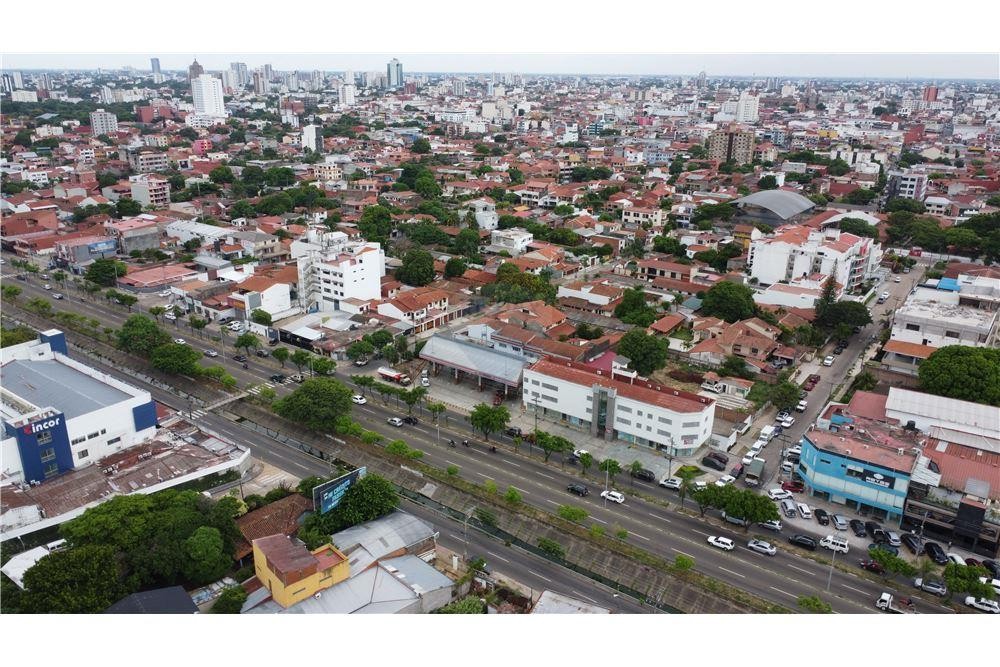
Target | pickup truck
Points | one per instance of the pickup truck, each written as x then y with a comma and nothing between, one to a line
887,603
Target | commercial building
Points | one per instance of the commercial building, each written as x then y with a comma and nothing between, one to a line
619,405
150,191
83,250
292,573
336,273
773,208
731,145
394,73
798,252
907,184
312,138
206,90
102,122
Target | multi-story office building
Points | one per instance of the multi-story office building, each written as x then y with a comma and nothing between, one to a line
154,64
195,70
150,190
144,161
619,405
102,122
731,145
312,138
394,74
206,90
240,73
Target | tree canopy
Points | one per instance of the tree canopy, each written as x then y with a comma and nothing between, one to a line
105,272
417,269
489,419
368,499
140,335
963,372
646,353
729,301
633,308
319,403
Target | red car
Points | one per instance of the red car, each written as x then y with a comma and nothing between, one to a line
794,487
871,566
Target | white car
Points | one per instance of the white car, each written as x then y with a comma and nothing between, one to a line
829,360
995,583
782,416
761,547
395,421
47,286
725,480
700,486
169,316
57,296
982,604
897,279
425,381
804,511
801,407
748,459
180,341
671,483
165,292
358,399
210,352
778,494
956,559
787,423
774,525
613,496
723,543
236,326
579,452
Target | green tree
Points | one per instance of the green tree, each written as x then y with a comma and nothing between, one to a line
768,182
735,366
611,467
261,316
455,267
646,353
729,301
105,272
513,496
814,605
322,404
489,419
361,349
281,354
176,359
892,564
246,341
858,227
965,579
367,499
376,224
633,308
748,505
850,313
301,359
323,366
466,243
784,395
470,604
156,311
551,548
683,563
963,372
207,558
10,292
421,146
222,174
81,580
230,601
572,513
586,461
140,335
127,207
417,269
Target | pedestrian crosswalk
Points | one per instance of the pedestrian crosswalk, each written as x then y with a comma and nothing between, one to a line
198,413
256,389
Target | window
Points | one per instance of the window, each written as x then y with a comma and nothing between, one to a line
51,469
664,420
951,334
550,386
82,454
47,454
549,398
91,436
913,327
622,408
77,441
115,441
690,424
103,431
45,437
621,420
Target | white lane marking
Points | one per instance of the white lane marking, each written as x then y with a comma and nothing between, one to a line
542,474
642,537
539,576
741,576
783,592
661,518
549,500
682,553
801,570
856,590
701,533
451,462
587,597
498,556
511,463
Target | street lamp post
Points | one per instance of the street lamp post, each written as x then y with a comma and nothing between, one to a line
465,534
829,578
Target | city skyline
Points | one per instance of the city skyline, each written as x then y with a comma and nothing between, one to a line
927,66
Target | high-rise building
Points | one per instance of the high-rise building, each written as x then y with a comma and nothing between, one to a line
154,64
312,138
907,184
747,109
195,70
702,79
18,80
347,94
458,88
731,145
102,122
394,74
930,94
268,73
242,76
260,83
207,93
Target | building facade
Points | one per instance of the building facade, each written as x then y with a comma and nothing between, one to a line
150,191
333,269
731,145
102,122
800,252
206,90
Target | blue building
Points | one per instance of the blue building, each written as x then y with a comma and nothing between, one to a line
868,473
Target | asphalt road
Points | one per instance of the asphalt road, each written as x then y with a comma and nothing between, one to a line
782,578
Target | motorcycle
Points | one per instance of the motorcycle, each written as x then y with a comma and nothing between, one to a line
493,449
451,443
465,443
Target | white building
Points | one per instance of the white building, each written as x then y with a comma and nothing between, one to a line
908,185
23,96
206,90
336,273
936,318
485,212
797,252
60,415
312,138
102,122
185,230
514,240
927,412
617,405
348,94
149,190
747,109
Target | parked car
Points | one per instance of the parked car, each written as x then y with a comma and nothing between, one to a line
180,341
872,527
715,464
723,543
262,353
57,296
613,496
778,494
774,525
579,452
884,547
871,566
782,416
411,420
425,381
803,541
982,604
394,421
802,405
209,352
725,480
671,483
955,558
993,583
169,316
761,547
737,471
794,487
513,432
931,586
839,521
838,350
643,474
822,516
936,553
788,423
804,511
361,361
718,456
858,527
578,489
913,543
240,358
46,286
358,399
828,361
993,567
163,293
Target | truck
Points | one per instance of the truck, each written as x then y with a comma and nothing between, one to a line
890,605
754,472
394,376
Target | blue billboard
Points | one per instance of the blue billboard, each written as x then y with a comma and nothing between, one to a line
328,495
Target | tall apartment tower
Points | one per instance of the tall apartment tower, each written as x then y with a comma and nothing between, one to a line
312,138
260,83
207,93
240,70
930,94
394,74
102,122
348,94
731,145
747,108
195,70
154,64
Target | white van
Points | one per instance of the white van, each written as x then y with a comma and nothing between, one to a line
835,543
788,507
804,511
767,433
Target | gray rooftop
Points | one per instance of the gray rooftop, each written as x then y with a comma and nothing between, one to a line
782,203
368,542
474,358
51,383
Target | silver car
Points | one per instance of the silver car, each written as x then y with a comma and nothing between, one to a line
931,586
761,547
839,522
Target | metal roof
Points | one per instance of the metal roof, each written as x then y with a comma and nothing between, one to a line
474,358
942,410
368,542
51,383
782,203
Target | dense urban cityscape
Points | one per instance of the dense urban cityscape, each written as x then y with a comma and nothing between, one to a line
310,341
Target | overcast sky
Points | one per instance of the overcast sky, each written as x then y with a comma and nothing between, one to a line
877,65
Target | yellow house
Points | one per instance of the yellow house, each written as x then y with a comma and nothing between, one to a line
292,573
828,133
